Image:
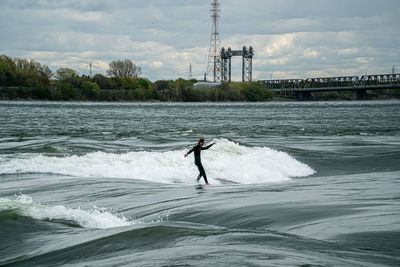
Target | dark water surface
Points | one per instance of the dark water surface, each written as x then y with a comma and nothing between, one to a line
293,184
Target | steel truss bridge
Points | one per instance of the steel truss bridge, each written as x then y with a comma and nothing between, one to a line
303,88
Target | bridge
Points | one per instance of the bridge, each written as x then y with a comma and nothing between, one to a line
303,88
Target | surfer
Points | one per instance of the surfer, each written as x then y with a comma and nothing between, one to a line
197,159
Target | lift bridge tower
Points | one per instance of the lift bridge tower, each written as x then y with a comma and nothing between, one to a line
225,63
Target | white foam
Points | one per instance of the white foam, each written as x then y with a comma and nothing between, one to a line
226,160
95,218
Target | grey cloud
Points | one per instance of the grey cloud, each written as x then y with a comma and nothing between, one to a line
292,38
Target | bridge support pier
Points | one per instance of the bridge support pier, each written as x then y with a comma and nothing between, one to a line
304,96
360,95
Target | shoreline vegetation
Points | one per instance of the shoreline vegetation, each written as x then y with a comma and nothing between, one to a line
23,79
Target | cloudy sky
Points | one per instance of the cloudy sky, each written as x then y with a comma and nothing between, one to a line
291,38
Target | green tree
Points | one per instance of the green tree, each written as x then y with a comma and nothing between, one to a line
67,79
173,91
255,92
90,90
41,93
32,74
235,92
66,75
102,81
144,82
7,71
161,85
223,92
129,83
68,91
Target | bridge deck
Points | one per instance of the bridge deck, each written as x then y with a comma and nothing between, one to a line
336,89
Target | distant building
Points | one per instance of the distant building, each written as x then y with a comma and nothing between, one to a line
206,84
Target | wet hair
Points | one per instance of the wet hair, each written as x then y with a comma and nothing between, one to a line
201,140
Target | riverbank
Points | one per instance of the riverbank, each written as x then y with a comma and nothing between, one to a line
188,95
164,91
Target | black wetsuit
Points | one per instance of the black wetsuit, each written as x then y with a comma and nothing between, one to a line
197,160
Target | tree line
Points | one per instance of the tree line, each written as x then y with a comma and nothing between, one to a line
30,80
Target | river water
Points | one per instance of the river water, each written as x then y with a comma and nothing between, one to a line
293,184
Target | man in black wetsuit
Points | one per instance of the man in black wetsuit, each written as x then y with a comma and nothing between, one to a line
197,159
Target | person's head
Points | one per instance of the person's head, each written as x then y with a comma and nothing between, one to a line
201,142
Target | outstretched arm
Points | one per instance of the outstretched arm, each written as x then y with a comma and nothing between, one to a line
190,151
207,147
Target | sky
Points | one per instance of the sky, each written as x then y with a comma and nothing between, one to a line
291,38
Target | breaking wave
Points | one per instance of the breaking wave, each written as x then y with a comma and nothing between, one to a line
95,218
225,161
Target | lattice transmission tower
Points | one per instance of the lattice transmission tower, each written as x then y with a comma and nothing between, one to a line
214,51
190,71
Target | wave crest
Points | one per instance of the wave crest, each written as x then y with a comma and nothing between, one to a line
226,160
96,218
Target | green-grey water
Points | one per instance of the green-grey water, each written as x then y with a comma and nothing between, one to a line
293,184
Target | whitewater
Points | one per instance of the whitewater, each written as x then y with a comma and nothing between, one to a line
227,161
99,218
